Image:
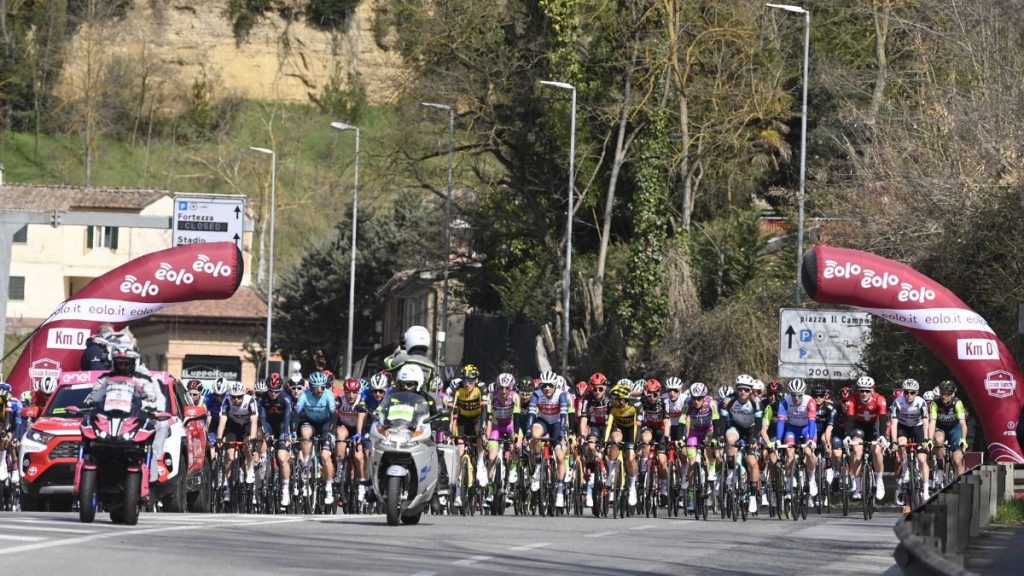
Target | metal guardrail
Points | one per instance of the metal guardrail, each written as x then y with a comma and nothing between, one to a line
935,536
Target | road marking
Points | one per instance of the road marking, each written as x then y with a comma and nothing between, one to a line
424,574
21,538
645,527
529,546
599,534
54,522
48,529
472,560
344,519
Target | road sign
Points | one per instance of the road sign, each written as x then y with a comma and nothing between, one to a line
822,344
200,219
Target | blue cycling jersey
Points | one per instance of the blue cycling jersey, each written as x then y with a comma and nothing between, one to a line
317,410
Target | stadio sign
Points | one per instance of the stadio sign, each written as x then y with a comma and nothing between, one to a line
210,218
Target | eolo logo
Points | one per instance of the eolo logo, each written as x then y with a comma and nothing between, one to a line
215,269
131,285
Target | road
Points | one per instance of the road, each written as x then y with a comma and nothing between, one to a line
201,544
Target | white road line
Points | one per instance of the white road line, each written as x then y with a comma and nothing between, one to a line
53,522
529,546
599,534
644,527
344,519
472,560
48,529
21,538
424,573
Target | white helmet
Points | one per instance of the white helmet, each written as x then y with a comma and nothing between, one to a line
48,385
911,384
236,388
928,396
548,377
746,379
865,383
220,387
698,390
673,383
379,381
261,386
797,387
410,373
416,337
505,380
757,385
637,387
560,383
725,392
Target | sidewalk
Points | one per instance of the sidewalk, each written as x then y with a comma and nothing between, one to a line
998,550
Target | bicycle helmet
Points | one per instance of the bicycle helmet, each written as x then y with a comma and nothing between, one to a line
744,379
352,385
299,384
560,383
819,390
698,390
911,385
317,380
236,388
470,371
525,385
725,392
866,383
638,387
621,391
652,386
410,377
845,393
220,387
797,387
774,386
261,386
48,385
380,381
505,380
928,396
598,379
674,383
194,385
275,384
947,387
548,377
582,389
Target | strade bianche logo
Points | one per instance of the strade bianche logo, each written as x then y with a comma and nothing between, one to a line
131,285
1000,384
44,368
168,274
215,269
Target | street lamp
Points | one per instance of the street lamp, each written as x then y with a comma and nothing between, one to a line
803,140
341,126
566,281
443,348
270,278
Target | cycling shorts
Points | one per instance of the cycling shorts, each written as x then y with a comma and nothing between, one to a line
597,431
552,430
321,428
795,435
498,431
352,431
912,433
676,432
870,430
467,427
235,432
282,435
953,435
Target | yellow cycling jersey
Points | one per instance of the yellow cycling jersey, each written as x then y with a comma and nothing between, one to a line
467,402
624,416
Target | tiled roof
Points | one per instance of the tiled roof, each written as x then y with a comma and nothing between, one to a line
245,304
68,198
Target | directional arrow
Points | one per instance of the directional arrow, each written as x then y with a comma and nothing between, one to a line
237,212
790,332
238,240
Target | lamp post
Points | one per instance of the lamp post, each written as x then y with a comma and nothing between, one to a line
566,281
443,348
341,126
803,140
270,277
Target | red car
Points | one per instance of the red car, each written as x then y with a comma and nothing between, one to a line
51,445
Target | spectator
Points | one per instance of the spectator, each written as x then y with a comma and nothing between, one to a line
96,355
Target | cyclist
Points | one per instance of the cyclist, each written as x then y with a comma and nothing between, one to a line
549,418
276,419
351,421
725,393
743,413
868,414
622,424
656,430
259,390
909,422
238,419
8,426
593,420
195,391
296,387
316,411
501,409
839,419
701,418
948,424
675,402
468,405
26,403
214,401
43,388
380,383
797,425
826,424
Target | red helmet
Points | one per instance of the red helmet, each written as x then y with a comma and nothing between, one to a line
774,386
536,383
582,388
352,385
845,392
652,386
194,385
329,375
275,384
598,379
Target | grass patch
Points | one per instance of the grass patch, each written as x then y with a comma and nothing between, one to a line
1011,513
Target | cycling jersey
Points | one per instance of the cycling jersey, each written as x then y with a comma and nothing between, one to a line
596,410
348,412
277,412
867,412
948,415
623,417
743,415
547,409
502,412
654,413
468,403
910,414
701,417
674,408
239,413
797,416
826,415
213,403
317,410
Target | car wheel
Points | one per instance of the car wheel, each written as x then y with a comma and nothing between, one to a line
199,501
177,500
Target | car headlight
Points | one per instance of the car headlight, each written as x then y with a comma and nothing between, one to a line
40,437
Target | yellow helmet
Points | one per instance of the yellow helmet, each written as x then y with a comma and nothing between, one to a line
470,371
621,390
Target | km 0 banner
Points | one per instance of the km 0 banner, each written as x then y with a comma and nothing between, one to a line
125,294
959,336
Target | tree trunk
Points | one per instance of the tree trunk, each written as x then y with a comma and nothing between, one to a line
881,14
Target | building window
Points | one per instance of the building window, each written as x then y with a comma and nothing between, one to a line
16,288
21,236
101,237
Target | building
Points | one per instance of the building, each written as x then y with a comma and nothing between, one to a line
51,263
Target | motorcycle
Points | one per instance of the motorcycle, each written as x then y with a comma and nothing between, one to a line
404,457
113,463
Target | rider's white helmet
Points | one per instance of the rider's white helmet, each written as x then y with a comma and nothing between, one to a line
410,373
416,337
236,388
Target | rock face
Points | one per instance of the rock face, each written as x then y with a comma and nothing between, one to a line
180,41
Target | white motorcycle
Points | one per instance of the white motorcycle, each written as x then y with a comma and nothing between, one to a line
404,457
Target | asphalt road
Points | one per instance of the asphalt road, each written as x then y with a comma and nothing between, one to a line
199,544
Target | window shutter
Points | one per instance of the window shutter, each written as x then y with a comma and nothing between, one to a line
113,239
89,236
16,287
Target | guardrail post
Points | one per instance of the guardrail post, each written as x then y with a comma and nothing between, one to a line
947,523
986,496
965,507
973,516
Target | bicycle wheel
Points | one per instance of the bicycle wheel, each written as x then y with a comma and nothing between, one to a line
844,486
912,497
867,483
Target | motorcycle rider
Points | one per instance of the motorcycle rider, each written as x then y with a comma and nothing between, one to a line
97,353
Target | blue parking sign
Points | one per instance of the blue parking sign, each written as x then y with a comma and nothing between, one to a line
182,206
806,335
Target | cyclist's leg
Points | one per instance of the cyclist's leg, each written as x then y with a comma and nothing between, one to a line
341,444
